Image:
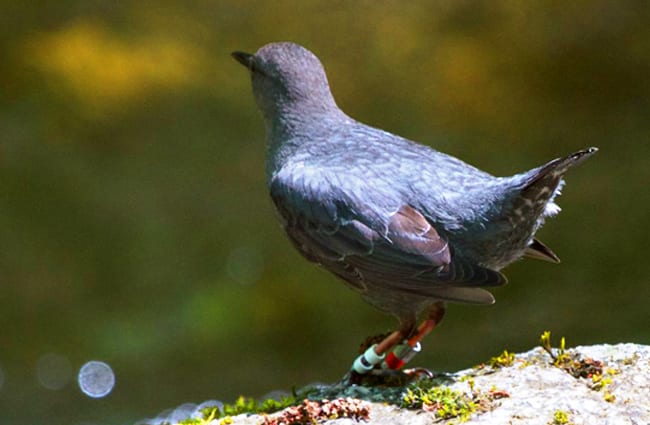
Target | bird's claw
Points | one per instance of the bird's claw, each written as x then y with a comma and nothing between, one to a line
386,377
417,373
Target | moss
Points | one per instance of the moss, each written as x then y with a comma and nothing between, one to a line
631,360
240,406
572,363
249,405
560,417
600,383
504,359
609,397
593,370
207,415
444,402
560,358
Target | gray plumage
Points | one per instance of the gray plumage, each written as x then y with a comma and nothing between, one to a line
403,224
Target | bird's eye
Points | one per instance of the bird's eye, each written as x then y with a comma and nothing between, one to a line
255,68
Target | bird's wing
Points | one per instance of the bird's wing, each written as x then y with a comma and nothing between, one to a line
401,251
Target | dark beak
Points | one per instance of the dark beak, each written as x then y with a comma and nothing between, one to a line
245,59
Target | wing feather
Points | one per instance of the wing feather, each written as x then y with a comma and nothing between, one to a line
402,252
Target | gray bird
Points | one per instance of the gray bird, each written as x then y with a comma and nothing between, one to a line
406,226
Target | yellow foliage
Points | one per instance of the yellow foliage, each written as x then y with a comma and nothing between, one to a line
105,70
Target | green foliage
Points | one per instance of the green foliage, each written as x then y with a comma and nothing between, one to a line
600,382
560,417
560,357
250,405
573,363
240,406
504,359
207,415
444,402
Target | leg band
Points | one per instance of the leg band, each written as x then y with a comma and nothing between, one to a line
367,361
401,355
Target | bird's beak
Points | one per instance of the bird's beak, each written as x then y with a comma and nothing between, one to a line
245,59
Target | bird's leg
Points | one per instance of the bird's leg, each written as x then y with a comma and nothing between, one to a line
404,343
376,353
404,352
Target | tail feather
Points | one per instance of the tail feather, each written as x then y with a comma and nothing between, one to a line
539,251
554,170
542,184
529,199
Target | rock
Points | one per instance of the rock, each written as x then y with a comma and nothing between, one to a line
612,387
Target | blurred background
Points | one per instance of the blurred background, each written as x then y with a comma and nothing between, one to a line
135,226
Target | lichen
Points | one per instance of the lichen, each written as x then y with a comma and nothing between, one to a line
313,412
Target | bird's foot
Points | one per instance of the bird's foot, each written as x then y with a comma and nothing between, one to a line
386,355
418,373
386,377
375,367
379,377
401,355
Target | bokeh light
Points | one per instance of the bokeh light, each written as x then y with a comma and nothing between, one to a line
96,379
53,371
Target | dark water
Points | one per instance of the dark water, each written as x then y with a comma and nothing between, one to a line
135,227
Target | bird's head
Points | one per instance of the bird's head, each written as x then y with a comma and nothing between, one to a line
287,79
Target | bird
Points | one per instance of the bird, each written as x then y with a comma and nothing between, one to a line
409,228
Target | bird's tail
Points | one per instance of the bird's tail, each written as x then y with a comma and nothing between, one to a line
542,184
530,200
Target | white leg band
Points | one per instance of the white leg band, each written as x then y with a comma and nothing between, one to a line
367,361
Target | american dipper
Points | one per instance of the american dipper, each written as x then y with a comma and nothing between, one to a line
406,226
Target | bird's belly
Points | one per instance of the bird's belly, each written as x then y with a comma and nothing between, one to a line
495,247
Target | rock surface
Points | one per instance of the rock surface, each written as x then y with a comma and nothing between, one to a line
534,391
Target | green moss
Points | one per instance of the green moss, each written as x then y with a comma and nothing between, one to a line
560,417
207,415
609,397
444,402
573,363
504,359
600,383
249,405
241,405
593,370
560,357
631,360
